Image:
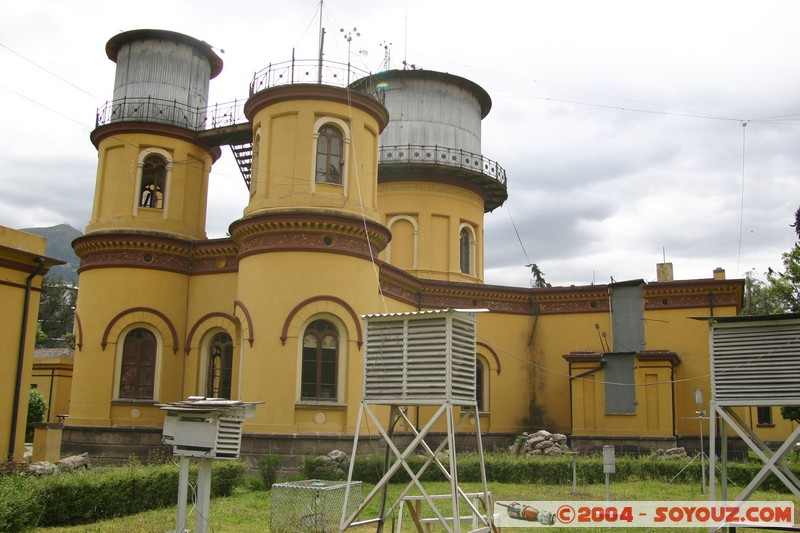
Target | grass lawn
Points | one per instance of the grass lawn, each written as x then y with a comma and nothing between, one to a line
248,510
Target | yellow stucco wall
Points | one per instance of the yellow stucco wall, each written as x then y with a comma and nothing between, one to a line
299,254
285,178
116,199
429,217
107,310
17,252
53,377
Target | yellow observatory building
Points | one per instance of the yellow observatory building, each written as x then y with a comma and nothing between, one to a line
367,194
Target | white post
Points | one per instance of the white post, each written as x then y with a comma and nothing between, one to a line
203,496
183,490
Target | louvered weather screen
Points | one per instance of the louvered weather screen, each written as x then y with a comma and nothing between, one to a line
420,358
756,362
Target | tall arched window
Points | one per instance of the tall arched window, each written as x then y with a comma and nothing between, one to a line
480,385
330,156
154,177
220,366
320,355
465,251
138,370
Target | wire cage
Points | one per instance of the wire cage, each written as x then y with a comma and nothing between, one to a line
313,505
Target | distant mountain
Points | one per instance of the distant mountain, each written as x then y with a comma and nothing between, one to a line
59,246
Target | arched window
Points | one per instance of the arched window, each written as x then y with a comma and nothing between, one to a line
320,355
220,366
154,177
465,250
138,370
480,385
330,156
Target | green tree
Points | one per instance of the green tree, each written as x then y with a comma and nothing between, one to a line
785,285
538,280
56,309
791,413
41,336
37,407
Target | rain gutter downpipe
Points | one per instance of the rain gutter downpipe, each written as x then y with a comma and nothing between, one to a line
21,356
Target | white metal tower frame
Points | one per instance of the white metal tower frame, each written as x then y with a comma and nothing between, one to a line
755,362
424,358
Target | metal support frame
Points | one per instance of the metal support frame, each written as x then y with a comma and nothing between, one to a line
773,460
450,524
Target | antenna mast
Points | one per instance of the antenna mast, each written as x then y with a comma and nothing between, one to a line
387,53
321,40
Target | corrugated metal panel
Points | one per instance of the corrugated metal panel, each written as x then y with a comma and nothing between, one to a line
627,316
432,113
420,358
619,378
164,71
756,363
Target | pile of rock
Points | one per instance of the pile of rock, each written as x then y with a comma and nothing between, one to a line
671,453
540,443
336,463
43,468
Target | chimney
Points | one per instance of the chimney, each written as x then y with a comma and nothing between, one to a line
719,273
664,272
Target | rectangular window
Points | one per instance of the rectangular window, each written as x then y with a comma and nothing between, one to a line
620,385
764,415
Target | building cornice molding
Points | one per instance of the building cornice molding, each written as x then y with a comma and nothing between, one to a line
320,92
309,231
142,250
113,129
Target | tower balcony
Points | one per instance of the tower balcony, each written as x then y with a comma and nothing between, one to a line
396,162
171,112
314,71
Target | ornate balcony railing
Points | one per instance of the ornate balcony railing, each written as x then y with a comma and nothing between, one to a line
148,109
295,71
439,155
312,71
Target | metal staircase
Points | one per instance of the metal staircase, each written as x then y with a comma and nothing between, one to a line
243,153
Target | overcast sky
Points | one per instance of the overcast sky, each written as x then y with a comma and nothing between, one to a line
620,123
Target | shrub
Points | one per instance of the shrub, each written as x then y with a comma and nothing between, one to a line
86,496
37,407
20,504
504,468
268,468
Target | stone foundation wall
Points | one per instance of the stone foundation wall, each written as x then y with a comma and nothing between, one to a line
115,445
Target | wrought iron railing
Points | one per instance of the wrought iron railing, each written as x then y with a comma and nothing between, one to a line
295,71
314,71
439,155
150,109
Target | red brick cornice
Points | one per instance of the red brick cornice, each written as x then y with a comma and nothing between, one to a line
143,250
309,231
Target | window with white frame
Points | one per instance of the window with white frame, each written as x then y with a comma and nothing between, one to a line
330,155
153,185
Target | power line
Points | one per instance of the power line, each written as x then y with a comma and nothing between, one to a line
31,100
50,72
